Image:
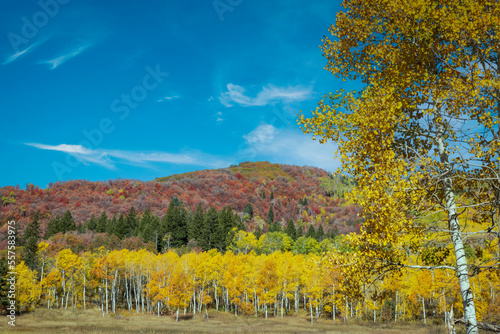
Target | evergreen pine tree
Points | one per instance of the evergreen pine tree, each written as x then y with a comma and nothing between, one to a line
272,196
320,234
225,224
81,228
121,227
179,234
102,223
239,223
110,225
170,223
196,223
274,227
145,226
311,232
92,223
291,231
270,216
248,210
152,232
209,228
299,232
53,227
67,223
31,236
132,223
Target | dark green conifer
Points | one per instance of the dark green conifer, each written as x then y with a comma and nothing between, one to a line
102,223
67,223
270,216
53,227
208,230
31,236
92,223
320,234
311,232
248,210
132,223
196,223
291,231
121,227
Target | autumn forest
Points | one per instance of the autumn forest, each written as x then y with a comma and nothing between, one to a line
405,232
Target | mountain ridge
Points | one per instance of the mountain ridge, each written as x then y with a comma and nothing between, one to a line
285,188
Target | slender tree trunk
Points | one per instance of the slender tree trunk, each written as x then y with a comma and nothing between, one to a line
333,302
423,310
311,309
396,309
455,233
194,304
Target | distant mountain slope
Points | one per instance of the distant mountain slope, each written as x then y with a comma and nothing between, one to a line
307,195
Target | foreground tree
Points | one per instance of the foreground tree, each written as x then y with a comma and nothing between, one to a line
422,137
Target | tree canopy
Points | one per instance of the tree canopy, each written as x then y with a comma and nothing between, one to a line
421,137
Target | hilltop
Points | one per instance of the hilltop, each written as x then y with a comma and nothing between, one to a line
307,195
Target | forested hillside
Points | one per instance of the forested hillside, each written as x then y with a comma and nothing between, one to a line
257,195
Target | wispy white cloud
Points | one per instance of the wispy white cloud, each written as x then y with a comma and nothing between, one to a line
268,95
78,149
18,54
110,158
168,98
56,62
290,146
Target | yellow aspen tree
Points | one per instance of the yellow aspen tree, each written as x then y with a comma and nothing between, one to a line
28,289
423,129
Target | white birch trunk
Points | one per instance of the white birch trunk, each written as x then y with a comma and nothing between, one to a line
455,233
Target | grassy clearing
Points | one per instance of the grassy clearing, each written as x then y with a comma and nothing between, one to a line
92,321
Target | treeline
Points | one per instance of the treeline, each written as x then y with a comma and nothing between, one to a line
180,227
277,284
177,228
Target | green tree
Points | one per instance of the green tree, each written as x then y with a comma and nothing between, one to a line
275,227
132,223
121,227
209,227
226,222
320,233
196,223
145,229
92,223
53,227
110,225
31,236
67,223
248,210
274,241
291,231
174,223
270,216
311,232
102,223
257,232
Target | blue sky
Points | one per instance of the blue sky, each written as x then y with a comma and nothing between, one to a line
99,90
